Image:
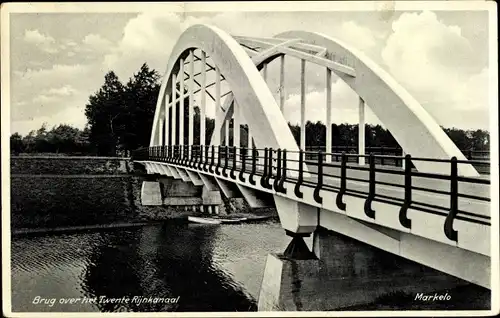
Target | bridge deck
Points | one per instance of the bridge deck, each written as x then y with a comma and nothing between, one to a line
433,205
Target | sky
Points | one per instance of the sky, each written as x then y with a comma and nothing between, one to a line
441,57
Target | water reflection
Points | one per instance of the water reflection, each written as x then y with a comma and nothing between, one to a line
175,260
210,268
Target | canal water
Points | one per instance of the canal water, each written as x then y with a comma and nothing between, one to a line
210,268
204,267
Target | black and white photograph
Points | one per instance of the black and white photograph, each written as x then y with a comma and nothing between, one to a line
295,158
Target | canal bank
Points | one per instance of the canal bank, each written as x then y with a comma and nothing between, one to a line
73,193
56,194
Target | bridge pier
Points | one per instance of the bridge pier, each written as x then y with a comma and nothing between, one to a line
168,191
151,193
344,273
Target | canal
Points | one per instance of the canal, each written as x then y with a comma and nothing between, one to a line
210,268
205,267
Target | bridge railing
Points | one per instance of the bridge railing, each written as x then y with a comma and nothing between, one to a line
272,169
394,155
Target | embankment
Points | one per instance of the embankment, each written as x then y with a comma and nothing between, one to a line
55,192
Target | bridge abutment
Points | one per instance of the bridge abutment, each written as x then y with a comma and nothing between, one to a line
151,193
348,274
172,192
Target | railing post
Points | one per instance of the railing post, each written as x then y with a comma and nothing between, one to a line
270,172
448,224
217,167
283,175
319,184
254,166
211,167
300,178
382,156
243,155
190,156
403,218
371,189
233,168
205,163
278,171
343,182
194,156
264,173
226,160
181,155
199,156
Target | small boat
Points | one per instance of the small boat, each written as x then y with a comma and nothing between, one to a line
259,218
196,219
232,221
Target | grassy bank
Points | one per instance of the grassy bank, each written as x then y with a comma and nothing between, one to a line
53,201
69,165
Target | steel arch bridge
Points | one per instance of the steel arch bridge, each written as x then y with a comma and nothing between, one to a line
434,204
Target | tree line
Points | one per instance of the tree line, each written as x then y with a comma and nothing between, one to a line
120,117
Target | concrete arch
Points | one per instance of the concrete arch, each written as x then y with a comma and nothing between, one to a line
257,103
410,124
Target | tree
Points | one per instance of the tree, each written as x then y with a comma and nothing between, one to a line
16,143
103,114
138,109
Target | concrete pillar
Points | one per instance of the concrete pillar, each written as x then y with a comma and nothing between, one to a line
160,132
218,125
328,114
174,110
361,131
167,117
191,98
282,83
203,98
236,125
303,104
151,193
181,103
346,273
286,284
226,133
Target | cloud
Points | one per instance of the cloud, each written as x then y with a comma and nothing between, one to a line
437,65
54,94
46,92
344,106
71,115
149,37
96,43
45,42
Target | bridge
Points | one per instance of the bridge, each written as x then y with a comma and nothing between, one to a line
428,204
